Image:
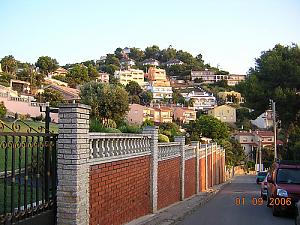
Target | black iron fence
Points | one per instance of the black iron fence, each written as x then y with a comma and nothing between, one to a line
27,173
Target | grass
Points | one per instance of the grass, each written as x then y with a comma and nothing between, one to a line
16,200
19,152
19,160
34,124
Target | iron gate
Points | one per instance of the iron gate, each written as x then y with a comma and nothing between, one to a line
27,175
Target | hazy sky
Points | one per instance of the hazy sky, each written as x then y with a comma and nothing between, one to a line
231,33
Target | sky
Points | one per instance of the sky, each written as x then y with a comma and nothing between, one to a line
229,33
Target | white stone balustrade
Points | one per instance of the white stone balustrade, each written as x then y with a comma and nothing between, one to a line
168,150
190,152
106,147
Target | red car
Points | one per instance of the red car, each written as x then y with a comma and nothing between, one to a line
283,186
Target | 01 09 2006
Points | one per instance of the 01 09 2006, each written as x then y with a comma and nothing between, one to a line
240,201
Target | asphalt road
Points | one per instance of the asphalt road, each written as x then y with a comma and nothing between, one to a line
222,209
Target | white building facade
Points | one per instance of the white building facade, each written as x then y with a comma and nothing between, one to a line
202,100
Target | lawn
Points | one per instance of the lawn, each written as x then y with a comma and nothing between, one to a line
34,124
26,149
31,197
28,144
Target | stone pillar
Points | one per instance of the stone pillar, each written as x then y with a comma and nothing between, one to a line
153,133
72,167
181,140
206,167
196,145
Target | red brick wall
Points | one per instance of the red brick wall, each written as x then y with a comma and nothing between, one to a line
220,168
209,170
223,168
119,191
168,182
190,177
202,174
215,168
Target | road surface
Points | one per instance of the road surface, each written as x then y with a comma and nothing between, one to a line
223,210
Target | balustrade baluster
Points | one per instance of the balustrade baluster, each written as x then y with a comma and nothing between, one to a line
106,147
97,148
101,148
91,154
115,146
138,145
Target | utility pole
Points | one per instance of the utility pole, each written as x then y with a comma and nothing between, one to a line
273,104
260,169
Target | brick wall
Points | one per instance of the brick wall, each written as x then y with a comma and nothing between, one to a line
168,182
202,174
113,179
190,177
119,191
215,168
209,170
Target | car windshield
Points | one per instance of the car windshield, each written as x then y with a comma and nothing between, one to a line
288,176
262,174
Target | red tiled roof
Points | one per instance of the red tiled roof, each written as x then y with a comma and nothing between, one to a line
279,142
265,133
244,134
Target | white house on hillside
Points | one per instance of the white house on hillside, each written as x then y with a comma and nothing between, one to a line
264,121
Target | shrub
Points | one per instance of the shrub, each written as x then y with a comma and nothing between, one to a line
148,122
3,110
130,129
96,126
38,118
163,138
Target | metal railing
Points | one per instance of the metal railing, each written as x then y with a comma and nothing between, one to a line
27,172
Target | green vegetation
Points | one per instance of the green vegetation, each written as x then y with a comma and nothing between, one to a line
277,76
96,126
52,96
170,130
243,117
108,101
9,64
78,75
34,124
3,110
46,64
127,128
208,126
134,90
163,138
16,188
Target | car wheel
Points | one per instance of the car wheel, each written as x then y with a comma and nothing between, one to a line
275,211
